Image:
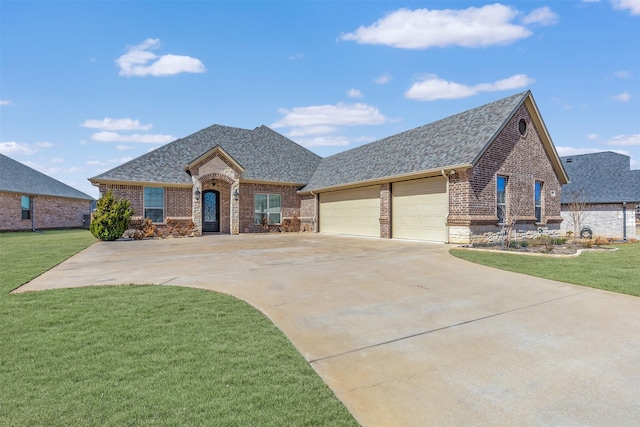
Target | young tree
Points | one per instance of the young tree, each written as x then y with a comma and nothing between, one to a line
111,218
578,211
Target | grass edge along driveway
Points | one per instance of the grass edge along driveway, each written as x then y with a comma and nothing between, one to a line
616,271
143,355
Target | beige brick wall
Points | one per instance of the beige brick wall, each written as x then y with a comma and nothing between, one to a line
47,212
605,220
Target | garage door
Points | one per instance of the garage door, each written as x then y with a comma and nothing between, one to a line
354,211
419,209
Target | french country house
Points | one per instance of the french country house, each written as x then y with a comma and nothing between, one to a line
602,196
456,180
31,200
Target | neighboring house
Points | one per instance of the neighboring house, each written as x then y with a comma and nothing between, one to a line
602,194
455,180
31,200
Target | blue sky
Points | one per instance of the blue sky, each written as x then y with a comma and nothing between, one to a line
86,86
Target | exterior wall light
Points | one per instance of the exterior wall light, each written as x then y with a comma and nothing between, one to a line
197,193
236,194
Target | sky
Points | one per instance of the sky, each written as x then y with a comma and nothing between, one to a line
86,86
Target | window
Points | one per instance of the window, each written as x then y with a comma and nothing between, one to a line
267,208
501,198
154,203
25,205
538,201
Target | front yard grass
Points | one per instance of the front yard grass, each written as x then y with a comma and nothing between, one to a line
617,271
143,355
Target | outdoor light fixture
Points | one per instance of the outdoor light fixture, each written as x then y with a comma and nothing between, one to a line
196,193
236,193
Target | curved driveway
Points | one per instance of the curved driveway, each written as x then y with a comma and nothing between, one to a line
404,333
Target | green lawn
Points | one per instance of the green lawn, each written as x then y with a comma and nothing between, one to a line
617,271
143,355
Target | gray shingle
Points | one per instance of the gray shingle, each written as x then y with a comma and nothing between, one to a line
18,178
603,177
264,154
455,140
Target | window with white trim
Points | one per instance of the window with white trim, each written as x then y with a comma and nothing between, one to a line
501,198
25,206
267,209
154,203
538,200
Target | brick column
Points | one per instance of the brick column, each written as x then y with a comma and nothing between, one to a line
235,208
196,203
385,210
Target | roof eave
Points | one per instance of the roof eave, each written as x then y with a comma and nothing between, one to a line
391,178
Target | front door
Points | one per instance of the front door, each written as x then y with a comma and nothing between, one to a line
210,210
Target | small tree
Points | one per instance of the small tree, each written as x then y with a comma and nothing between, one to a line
578,211
111,218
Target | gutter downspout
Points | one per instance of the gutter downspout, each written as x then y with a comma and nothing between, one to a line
33,212
624,221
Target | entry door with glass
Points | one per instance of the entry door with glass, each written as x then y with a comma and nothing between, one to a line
210,211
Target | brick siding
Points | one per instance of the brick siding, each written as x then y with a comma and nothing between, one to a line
290,201
523,160
47,212
605,220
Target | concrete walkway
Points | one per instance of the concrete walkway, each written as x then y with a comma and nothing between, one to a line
404,333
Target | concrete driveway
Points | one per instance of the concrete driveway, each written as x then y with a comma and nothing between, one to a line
404,333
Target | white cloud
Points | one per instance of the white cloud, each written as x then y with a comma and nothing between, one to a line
623,97
624,140
632,5
423,28
542,16
122,147
5,102
140,61
57,160
383,79
623,74
12,148
115,124
108,162
312,130
354,93
106,136
45,144
297,56
433,88
331,115
324,141
593,136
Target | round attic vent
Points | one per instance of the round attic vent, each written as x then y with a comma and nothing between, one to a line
522,127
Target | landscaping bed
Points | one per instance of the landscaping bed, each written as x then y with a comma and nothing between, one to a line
546,245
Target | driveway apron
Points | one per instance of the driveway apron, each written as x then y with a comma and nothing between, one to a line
404,333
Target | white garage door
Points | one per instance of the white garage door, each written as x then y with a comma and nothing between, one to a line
419,209
355,212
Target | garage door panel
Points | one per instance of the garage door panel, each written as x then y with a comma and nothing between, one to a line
419,209
355,212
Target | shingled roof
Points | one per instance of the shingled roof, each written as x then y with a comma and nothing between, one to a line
264,154
448,143
603,177
16,177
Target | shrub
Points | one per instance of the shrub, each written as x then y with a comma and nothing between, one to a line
544,242
111,218
524,244
559,241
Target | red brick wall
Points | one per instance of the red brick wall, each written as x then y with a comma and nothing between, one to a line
289,198
177,200
523,160
47,212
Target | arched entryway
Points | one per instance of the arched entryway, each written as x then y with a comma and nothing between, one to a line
210,211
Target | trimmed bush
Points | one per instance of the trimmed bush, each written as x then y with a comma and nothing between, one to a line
111,218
